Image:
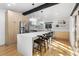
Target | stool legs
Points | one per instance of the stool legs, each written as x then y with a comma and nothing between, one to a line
40,50
44,47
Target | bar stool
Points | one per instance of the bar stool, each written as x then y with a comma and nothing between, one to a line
46,38
51,33
42,38
40,44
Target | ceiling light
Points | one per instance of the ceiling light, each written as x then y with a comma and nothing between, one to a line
33,4
41,11
9,4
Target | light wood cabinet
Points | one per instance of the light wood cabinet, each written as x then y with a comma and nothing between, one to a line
12,26
62,35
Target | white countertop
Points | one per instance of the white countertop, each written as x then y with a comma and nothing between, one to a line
33,34
25,42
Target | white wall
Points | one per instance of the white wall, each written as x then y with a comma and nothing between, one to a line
2,26
48,16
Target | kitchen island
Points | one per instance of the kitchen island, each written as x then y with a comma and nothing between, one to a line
25,42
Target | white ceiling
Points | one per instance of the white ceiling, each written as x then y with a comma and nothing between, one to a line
59,10
53,12
19,7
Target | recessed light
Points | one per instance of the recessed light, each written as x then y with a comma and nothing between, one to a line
41,11
9,4
33,4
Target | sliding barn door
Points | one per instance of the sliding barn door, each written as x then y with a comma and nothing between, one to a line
72,32
77,35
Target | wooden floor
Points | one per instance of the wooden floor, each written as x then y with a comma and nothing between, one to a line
9,50
58,47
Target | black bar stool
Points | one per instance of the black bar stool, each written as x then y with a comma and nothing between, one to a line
46,38
51,34
40,45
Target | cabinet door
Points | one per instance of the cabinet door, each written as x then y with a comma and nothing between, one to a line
13,27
